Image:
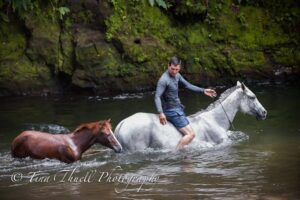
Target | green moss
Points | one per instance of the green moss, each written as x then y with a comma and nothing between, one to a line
243,29
287,56
143,32
261,29
44,43
250,28
247,60
134,47
83,17
66,53
228,38
101,60
188,7
93,55
137,19
24,76
13,42
196,34
274,35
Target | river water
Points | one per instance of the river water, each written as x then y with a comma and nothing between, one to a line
262,162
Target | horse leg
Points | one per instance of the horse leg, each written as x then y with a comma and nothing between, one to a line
66,154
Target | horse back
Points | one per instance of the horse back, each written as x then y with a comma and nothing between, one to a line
36,144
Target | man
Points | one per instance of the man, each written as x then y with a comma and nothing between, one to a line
168,103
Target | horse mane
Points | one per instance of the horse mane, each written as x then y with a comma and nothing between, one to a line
91,126
222,97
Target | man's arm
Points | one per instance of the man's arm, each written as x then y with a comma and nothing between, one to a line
190,86
208,92
160,88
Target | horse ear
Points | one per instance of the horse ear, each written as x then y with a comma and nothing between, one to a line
238,83
243,87
108,120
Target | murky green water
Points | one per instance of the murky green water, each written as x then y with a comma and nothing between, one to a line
266,166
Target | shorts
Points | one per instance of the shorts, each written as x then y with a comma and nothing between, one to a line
177,117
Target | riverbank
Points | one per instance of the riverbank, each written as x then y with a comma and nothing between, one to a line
111,47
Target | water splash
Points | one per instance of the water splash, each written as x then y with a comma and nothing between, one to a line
237,136
49,128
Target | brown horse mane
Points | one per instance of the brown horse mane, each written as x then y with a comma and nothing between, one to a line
93,126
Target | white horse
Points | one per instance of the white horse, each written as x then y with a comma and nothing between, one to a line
143,130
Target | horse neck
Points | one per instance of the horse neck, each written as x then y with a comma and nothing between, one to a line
83,140
230,105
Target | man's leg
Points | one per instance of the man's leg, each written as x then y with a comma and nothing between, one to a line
188,136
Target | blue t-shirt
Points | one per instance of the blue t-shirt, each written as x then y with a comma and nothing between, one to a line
166,96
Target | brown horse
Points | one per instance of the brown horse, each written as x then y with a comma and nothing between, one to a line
67,147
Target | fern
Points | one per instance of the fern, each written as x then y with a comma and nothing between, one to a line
160,3
62,11
23,8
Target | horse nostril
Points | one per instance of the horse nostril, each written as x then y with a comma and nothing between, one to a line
264,112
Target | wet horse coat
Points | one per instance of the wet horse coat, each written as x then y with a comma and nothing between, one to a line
143,130
66,147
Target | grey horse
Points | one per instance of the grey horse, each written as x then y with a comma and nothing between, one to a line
143,130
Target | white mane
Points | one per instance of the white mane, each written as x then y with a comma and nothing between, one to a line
222,97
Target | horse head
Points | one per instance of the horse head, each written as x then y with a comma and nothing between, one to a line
107,138
250,104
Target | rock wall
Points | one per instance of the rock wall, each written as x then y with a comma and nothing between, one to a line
103,47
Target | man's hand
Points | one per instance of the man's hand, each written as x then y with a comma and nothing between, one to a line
162,118
210,92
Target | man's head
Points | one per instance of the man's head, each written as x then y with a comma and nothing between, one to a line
174,66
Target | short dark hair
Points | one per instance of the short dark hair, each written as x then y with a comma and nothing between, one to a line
174,61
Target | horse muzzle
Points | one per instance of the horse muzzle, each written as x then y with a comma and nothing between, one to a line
261,115
117,149
115,144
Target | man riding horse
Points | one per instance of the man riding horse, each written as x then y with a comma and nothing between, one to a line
168,104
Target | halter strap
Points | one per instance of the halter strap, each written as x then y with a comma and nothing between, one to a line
231,124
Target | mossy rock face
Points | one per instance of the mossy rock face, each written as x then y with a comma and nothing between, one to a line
66,53
44,43
23,77
101,68
149,54
287,56
97,61
87,41
90,12
18,75
125,45
142,32
13,42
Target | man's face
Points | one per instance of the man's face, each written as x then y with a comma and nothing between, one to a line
173,69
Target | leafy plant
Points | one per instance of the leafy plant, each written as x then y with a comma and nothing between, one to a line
23,8
62,11
242,20
160,3
210,19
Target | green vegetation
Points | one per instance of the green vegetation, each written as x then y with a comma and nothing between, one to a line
23,7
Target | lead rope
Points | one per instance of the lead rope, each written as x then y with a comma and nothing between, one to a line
231,124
